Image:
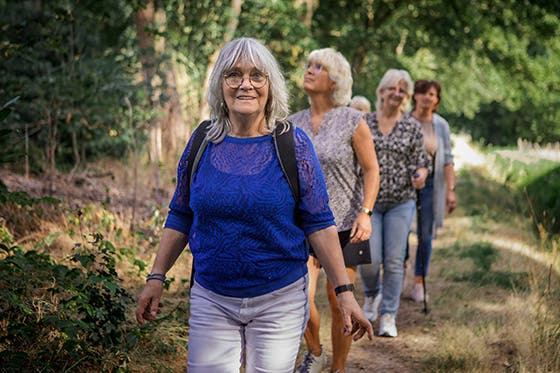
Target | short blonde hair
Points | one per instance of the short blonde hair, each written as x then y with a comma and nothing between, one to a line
360,103
339,72
391,78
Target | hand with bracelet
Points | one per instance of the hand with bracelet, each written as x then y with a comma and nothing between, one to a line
354,321
361,230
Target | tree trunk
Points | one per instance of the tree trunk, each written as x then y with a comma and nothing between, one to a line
168,124
52,113
309,8
144,19
228,36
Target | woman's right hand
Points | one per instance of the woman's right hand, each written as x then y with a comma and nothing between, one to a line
148,303
418,179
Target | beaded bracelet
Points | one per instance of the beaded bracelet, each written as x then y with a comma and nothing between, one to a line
156,276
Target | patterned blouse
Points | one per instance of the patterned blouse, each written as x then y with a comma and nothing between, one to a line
333,145
399,154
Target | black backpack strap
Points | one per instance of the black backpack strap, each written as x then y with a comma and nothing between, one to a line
285,147
197,149
198,146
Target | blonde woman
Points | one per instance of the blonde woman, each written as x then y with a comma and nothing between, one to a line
342,142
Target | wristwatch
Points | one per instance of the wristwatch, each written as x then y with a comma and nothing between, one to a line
366,211
343,288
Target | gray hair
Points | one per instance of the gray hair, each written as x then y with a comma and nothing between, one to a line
339,72
391,78
246,50
360,103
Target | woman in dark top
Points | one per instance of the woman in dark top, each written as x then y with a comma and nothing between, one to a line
403,166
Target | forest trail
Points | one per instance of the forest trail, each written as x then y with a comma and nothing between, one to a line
419,333
467,320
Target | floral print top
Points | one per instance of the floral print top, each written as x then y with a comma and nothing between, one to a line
399,154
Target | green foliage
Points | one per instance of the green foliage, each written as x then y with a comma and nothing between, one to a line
544,197
70,65
8,140
539,181
59,317
483,255
447,363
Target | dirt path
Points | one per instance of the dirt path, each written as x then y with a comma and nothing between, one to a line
417,335
418,332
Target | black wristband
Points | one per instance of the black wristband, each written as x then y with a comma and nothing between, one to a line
156,276
343,288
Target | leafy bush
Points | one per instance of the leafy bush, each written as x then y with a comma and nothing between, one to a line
57,317
540,182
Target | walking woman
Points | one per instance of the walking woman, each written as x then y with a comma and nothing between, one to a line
344,147
245,229
404,166
438,196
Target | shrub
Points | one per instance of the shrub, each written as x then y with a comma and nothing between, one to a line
57,317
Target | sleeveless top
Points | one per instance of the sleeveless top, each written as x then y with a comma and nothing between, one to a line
333,145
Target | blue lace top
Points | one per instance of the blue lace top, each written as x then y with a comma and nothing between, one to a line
241,219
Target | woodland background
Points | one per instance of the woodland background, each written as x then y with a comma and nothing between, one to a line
98,99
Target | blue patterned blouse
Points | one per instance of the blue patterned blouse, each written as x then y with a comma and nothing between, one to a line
241,219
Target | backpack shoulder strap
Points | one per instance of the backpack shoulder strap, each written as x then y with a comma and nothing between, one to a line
286,152
197,149
198,146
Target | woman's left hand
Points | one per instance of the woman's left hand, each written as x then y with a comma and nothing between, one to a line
450,201
361,230
355,322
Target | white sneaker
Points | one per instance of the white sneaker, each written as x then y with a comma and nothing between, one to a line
387,327
312,363
371,307
418,293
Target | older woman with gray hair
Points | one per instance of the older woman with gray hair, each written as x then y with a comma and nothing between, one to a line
344,146
246,230
404,166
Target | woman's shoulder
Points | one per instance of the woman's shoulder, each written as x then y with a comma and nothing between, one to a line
440,121
347,112
298,115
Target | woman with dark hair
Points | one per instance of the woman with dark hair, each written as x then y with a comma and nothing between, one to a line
438,196
245,229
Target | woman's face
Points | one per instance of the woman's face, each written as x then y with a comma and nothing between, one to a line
427,100
316,79
245,89
394,96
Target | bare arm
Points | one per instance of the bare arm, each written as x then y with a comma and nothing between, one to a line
367,158
326,245
171,245
450,197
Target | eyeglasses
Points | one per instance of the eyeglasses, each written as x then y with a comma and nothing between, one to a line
234,79
402,91
317,67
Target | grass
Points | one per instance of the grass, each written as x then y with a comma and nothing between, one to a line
498,284
500,308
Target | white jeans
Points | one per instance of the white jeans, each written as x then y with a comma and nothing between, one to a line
266,330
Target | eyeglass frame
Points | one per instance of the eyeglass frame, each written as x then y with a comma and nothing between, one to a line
226,76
